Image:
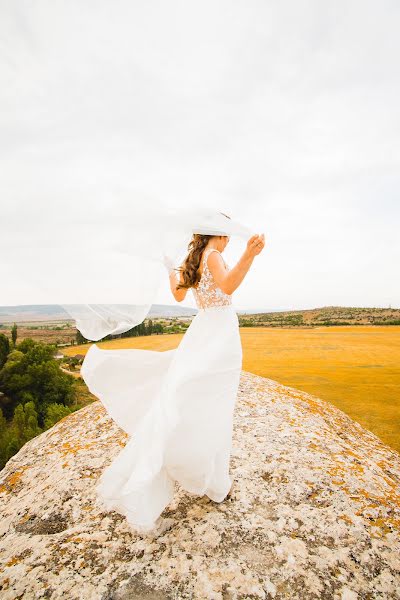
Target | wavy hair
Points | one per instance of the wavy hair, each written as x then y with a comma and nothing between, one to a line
190,266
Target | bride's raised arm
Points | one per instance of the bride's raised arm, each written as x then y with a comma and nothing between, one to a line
229,281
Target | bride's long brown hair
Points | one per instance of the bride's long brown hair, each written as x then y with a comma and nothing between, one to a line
191,264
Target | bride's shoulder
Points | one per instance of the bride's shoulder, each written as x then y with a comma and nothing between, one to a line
216,260
208,250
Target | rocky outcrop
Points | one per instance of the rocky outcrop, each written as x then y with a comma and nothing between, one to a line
314,513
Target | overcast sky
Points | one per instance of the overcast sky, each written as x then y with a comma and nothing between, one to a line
284,115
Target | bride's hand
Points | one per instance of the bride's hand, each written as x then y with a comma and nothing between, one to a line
255,244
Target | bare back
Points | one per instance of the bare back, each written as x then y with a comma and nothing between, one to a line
207,293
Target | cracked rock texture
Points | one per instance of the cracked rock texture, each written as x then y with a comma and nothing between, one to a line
314,513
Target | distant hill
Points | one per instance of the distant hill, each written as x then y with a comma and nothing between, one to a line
28,312
55,312
325,316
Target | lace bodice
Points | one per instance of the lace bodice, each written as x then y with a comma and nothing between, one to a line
207,293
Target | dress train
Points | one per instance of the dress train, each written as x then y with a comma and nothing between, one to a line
177,407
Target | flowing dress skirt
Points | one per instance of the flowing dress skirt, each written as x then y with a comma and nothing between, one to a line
177,407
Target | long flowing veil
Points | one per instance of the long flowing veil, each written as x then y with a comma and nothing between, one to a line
103,261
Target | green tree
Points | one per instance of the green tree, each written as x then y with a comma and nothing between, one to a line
26,345
13,446
79,338
35,376
40,353
54,413
3,440
8,442
25,423
4,349
14,333
34,393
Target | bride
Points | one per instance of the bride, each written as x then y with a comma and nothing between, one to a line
177,405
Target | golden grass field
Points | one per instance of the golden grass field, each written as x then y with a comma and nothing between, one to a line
355,368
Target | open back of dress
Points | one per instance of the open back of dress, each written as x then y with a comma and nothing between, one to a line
207,293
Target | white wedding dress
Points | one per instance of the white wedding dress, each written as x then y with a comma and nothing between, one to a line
177,407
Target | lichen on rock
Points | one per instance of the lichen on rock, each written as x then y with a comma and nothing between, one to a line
314,512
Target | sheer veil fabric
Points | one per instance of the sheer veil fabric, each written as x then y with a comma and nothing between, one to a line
145,237
97,254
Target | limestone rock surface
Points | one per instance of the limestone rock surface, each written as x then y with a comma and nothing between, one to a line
314,513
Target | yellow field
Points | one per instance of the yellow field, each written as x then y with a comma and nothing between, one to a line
355,368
